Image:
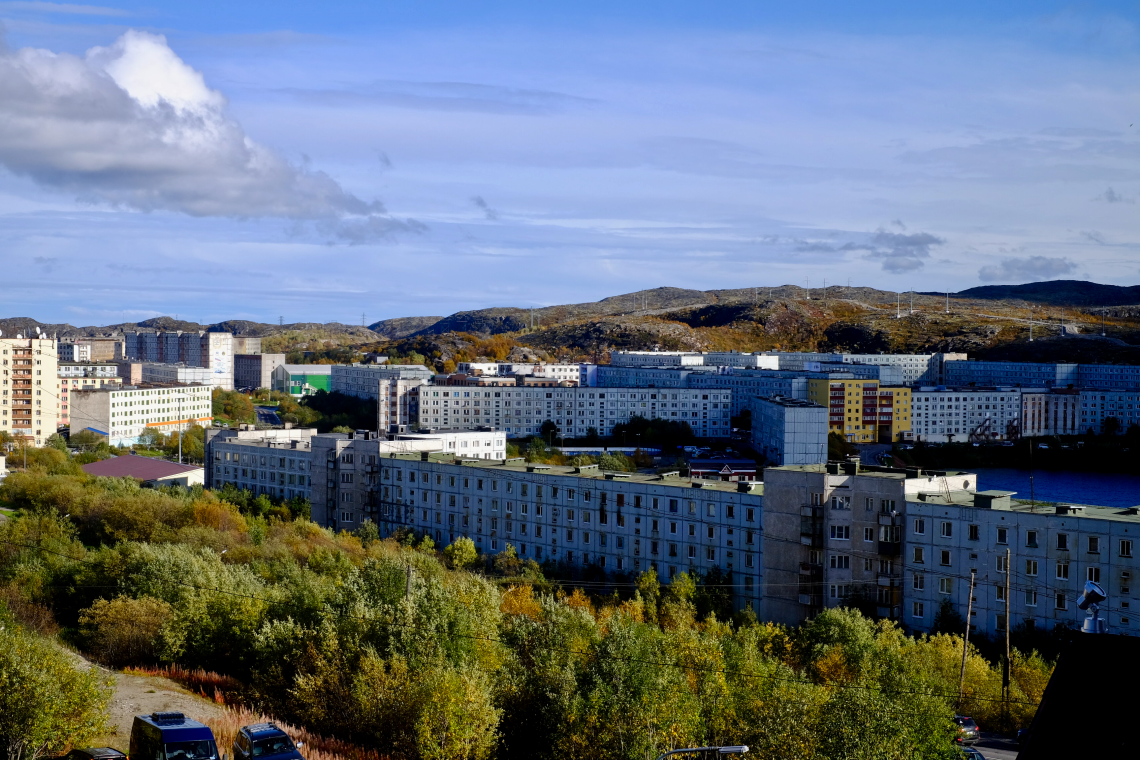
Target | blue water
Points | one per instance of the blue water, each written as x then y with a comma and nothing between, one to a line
1098,489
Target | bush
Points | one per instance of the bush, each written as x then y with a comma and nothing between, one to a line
46,705
125,631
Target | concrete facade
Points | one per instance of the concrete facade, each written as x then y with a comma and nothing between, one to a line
272,462
944,414
175,374
214,350
75,376
255,370
29,397
1050,412
789,431
863,411
1098,405
300,380
122,414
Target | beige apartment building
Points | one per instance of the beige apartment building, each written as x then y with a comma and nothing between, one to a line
29,397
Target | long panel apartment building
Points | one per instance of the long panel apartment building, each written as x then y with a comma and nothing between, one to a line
521,412
214,350
617,523
123,414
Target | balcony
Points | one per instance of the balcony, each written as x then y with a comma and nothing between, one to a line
890,548
890,580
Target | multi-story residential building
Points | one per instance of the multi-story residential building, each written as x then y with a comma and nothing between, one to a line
175,374
913,368
624,376
1028,374
90,350
1099,405
1109,376
862,411
552,370
29,399
657,359
484,444
1050,412
976,414
789,431
834,530
521,412
246,345
214,350
741,360
255,370
123,414
272,462
1042,553
364,380
398,406
302,379
617,522
82,376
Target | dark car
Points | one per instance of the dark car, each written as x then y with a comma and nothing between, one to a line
261,741
171,736
94,753
972,754
967,730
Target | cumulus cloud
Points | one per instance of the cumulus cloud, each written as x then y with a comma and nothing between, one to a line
481,204
1026,269
899,252
132,125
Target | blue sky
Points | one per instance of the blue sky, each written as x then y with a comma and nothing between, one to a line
322,161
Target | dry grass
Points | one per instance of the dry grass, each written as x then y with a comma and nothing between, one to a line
315,747
214,686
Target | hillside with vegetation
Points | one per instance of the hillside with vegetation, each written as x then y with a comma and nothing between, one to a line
414,651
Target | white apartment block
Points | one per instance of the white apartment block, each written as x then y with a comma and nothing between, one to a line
742,360
364,380
616,522
789,431
657,359
1098,405
398,406
552,370
123,414
977,414
489,444
520,412
1052,550
272,462
175,374
29,395
1046,412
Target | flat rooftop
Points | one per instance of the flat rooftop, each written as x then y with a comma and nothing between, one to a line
592,472
1025,506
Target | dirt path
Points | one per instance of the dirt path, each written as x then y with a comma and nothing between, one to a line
139,695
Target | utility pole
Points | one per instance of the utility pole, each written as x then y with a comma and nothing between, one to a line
1005,680
966,639
898,306
947,302
807,289
1102,311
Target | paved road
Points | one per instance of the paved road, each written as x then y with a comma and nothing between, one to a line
996,748
267,415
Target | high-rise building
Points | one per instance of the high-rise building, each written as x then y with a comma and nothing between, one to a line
29,404
214,350
862,411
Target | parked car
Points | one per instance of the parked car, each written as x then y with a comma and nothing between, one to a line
972,754
967,730
171,736
95,753
261,741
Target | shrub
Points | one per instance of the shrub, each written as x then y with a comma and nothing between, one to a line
124,630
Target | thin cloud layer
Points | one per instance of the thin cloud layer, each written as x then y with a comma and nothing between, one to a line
1027,269
133,126
899,252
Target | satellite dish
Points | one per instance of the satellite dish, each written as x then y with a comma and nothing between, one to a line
1093,594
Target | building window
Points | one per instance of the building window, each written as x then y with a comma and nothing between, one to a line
919,555
1062,542
1093,574
975,532
869,534
1031,567
919,527
841,532
919,582
1031,539
1030,598
840,562
1094,545
918,610
945,585
1002,535
947,529
1062,571
1060,600
944,559
1125,547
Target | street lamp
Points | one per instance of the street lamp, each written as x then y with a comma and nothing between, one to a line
719,750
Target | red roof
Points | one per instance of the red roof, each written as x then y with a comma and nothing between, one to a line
139,467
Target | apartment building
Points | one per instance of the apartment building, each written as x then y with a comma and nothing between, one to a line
609,376
944,414
480,444
82,376
272,462
299,380
175,374
247,345
363,380
862,411
123,414
1027,374
656,359
741,360
1101,405
398,406
255,370
578,517
834,530
90,350
214,350
1050,412
521,412
1043,554
911,368
552,370
29,397
789,431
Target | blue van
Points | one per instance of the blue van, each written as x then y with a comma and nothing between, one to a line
171,736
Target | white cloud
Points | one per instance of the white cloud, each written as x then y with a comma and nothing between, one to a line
132,125
1027,269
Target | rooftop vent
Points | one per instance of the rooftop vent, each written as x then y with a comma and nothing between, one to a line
167,717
